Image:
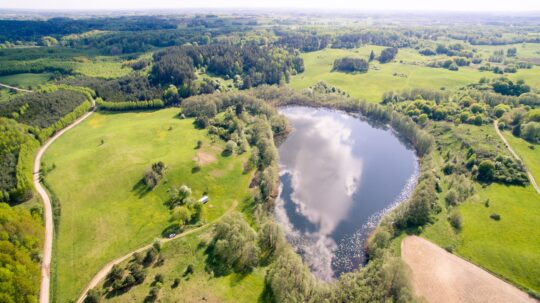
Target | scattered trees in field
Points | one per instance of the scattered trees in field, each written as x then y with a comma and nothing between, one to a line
352,65
153,175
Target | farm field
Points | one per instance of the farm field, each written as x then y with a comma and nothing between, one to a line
95,172
381,77
181,253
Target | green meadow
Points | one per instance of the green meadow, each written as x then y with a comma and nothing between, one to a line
181,253
405,72
95,171
529,153
25,80
507,247
102,67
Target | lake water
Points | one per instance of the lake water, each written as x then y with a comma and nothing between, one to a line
339,175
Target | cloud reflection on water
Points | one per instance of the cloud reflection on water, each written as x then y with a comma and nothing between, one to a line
322,162
321,155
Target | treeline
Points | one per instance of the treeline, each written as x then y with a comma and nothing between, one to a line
303,41
127,42
348,64
128,88
21,245
382,37
42,65
130,105
33,30
249,64
17,149
43,108
404,125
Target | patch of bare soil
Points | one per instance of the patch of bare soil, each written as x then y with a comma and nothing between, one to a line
439,276
204,158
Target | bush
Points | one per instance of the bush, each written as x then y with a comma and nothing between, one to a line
456,220
486,170
92,296
495,217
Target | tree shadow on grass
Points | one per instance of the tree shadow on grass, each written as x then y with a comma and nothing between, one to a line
267,296
213,264
140,189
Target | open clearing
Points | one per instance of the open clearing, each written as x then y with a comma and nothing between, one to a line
190,250
439,276
405,72
96,170
25,80
530,156
380,77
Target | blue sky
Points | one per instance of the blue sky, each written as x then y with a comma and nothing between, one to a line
438,5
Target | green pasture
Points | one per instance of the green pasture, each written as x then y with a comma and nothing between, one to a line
25,80
529,153
101,67
407,71
95,171
180,253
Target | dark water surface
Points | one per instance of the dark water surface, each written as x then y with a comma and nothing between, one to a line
339,175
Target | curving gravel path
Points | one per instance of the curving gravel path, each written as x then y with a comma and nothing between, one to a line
44,291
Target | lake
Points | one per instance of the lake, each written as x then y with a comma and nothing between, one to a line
339,174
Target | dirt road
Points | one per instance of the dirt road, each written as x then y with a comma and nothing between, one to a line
531,178
442,277
44,290
15,88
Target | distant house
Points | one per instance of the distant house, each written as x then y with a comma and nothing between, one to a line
204,199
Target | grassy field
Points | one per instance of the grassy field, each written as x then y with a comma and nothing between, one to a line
25,80
102,67
406,72
104,211
506,247
178,254
530,157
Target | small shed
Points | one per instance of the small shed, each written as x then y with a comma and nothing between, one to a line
204,199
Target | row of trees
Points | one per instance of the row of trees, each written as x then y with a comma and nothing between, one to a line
130,105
